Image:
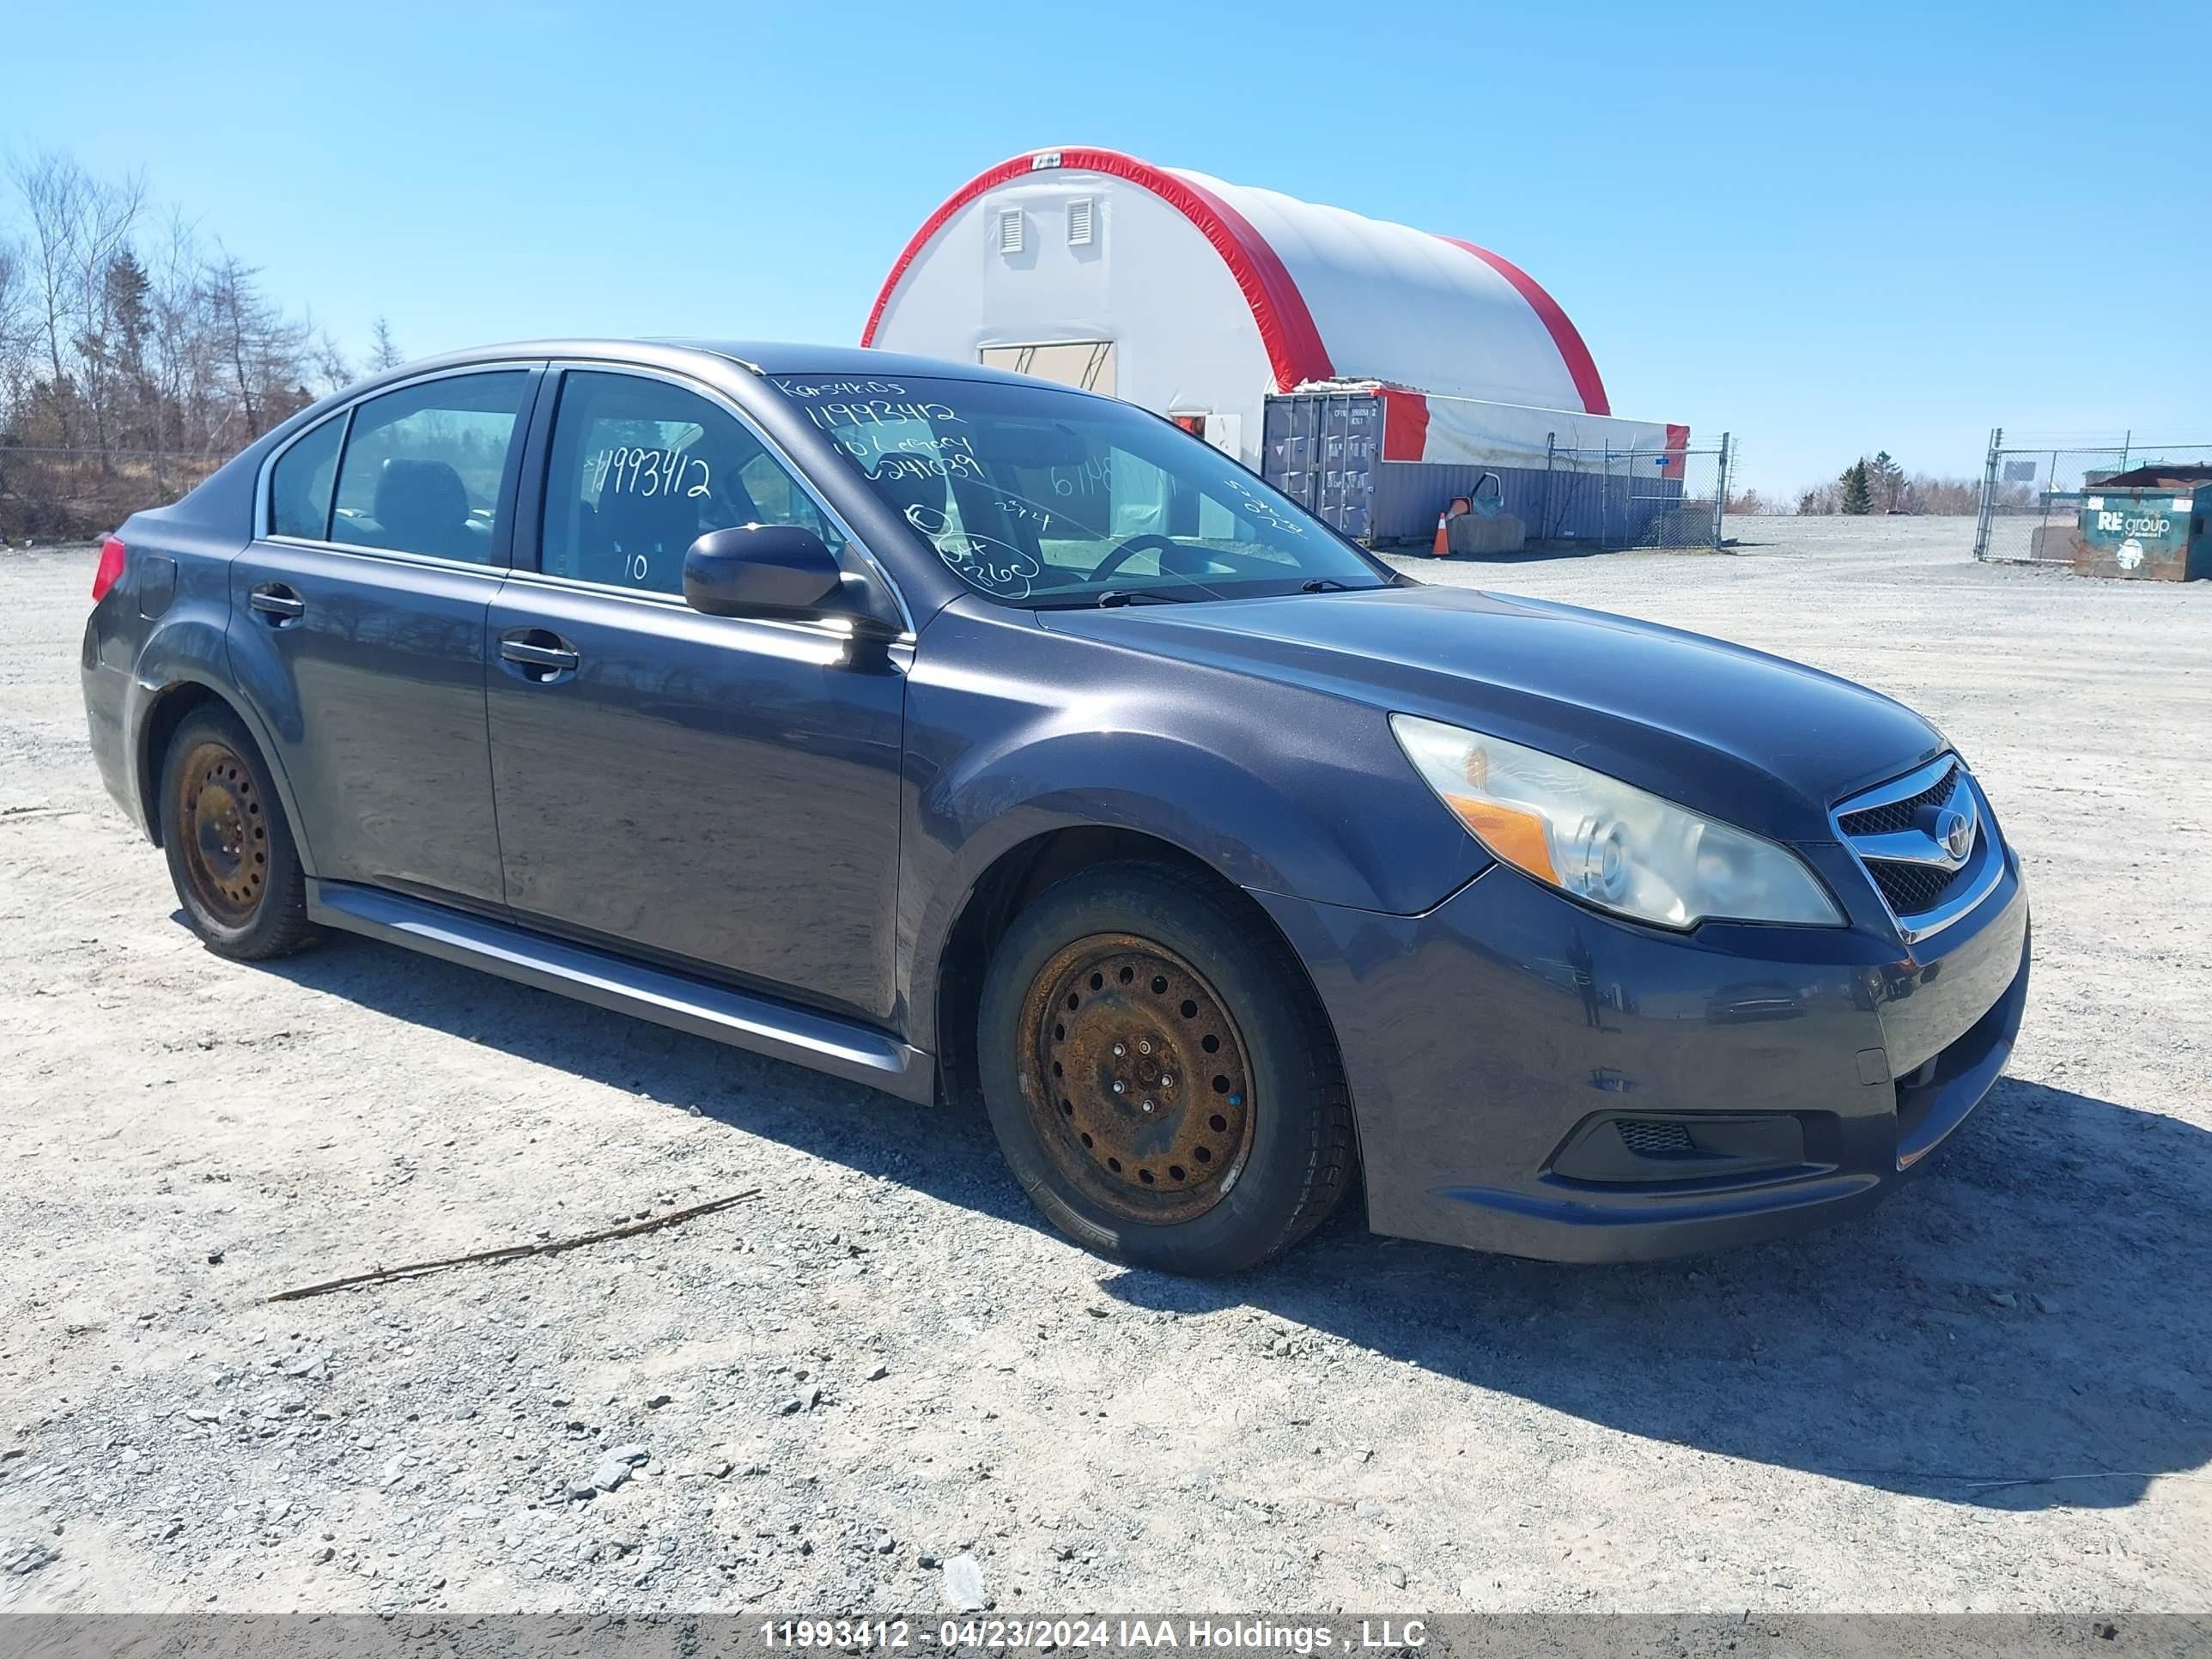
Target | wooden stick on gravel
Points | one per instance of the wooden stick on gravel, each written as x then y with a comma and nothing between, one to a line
517,1252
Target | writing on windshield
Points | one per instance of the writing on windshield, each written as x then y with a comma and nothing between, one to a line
1034,494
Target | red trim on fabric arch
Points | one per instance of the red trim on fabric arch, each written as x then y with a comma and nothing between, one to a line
1295,351
1581,366
1405,424
990,179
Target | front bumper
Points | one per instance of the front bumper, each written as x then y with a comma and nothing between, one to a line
1534,1079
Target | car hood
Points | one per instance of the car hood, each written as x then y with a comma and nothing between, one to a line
1748,738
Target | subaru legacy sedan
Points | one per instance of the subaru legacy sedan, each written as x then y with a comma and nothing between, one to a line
959,734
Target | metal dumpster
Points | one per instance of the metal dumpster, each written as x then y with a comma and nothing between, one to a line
2144,524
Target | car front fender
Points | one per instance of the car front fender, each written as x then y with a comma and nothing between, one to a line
1307,797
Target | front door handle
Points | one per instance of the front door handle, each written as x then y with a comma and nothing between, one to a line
276,604
539,655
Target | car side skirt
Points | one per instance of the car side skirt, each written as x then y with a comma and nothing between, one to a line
761,1025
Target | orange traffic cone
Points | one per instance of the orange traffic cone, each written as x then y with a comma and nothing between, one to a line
1443,549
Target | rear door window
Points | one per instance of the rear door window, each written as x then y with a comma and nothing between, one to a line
641,468
424,464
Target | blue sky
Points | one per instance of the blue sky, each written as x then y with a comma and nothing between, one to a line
1831,229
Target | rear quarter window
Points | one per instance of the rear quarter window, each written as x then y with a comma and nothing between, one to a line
300,485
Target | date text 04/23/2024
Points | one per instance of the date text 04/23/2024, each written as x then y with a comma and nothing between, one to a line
1236,1635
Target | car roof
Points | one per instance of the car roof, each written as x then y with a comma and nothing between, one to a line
856,362
760,357
770,357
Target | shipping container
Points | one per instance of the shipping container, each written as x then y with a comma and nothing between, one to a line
1380,464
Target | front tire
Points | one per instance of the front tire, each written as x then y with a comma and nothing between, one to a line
231,854
1159,1074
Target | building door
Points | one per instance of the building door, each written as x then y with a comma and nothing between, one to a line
1086,365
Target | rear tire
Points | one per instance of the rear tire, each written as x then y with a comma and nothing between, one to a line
1231,1136
231,854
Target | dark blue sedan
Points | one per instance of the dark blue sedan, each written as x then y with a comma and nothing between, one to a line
955,733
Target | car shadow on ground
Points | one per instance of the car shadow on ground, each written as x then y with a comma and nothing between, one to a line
2025,1325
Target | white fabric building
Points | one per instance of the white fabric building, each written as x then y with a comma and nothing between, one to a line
1198,297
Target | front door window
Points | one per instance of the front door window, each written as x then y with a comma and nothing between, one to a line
641,469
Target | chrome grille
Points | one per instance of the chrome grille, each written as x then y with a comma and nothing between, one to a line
1912,890
1892,816
1906,834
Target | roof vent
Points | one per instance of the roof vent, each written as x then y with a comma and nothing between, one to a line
1010,230
1079,222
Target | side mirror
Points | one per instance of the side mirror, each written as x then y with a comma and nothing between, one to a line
775,572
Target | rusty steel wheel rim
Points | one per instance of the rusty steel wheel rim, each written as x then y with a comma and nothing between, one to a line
1138,1080
225,833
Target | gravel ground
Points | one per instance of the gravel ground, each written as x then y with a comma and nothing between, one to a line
1989,1395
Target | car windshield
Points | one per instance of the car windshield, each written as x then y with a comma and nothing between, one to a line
1039,496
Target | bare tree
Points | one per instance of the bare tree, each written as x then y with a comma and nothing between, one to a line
15,345
262,350
109,214
178,372
1820,498
332,373
1928,494
79,226
52,187
156,351
15,334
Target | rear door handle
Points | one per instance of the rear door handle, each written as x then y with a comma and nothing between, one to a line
276,604
541,656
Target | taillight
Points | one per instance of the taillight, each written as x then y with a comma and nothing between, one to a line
112,552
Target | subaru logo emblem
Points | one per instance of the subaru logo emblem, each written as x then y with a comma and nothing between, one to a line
1955,830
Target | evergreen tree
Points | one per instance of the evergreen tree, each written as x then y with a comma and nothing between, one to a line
1858,494
121,347
126,307
1888,479
382,354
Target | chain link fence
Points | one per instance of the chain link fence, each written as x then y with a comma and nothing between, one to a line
1598,498
2032,494
1614,499
71,495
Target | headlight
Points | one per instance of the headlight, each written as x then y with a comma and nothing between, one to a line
1599,839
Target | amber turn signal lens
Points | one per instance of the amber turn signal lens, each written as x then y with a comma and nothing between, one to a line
1516,837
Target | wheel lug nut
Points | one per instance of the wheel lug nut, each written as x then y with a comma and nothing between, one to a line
1120,1088
1145,1047
1167,1079
1119,1051
1148,1105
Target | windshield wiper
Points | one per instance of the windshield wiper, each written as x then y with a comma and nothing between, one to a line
1119,595
1323,584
